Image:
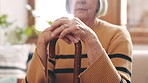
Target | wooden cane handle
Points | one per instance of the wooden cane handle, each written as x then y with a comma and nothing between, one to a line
77,60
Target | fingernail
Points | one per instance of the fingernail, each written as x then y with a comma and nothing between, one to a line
75,41
78,39
51,35
60,37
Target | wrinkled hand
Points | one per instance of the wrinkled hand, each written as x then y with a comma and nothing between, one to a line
71,30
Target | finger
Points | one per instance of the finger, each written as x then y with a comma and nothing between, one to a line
60,18
58,23
47,34
72,38
66,40
77,38
66,31
58,30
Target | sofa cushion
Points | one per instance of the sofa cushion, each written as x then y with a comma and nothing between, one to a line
13,60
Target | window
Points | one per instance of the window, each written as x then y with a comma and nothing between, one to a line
48,10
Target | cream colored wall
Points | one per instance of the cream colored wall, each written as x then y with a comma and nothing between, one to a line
16,11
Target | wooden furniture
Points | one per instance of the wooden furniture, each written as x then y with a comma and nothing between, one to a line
113,14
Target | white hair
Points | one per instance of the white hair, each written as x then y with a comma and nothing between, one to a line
101,11
103,8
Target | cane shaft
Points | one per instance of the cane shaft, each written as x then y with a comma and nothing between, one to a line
77,62
77,59
52,56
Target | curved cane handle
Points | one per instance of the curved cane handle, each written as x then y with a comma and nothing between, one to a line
77,60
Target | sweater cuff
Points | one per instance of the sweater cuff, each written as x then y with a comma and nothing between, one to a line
36,72
101,71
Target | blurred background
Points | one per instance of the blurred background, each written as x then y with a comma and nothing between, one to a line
21,21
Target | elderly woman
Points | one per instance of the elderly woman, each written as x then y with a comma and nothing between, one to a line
106,48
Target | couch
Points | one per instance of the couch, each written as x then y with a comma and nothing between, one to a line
140,66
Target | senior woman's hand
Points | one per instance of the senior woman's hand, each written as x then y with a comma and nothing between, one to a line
72,30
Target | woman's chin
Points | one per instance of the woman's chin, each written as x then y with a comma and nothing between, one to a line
81,15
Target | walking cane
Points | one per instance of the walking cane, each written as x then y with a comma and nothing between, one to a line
77,59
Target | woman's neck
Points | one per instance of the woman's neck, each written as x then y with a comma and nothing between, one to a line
89,22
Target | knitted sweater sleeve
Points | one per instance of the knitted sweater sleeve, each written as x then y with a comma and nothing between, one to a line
36,71
114,65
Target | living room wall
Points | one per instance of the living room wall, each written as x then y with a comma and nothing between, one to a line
16,11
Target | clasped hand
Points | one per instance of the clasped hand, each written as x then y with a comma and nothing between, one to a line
70,30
